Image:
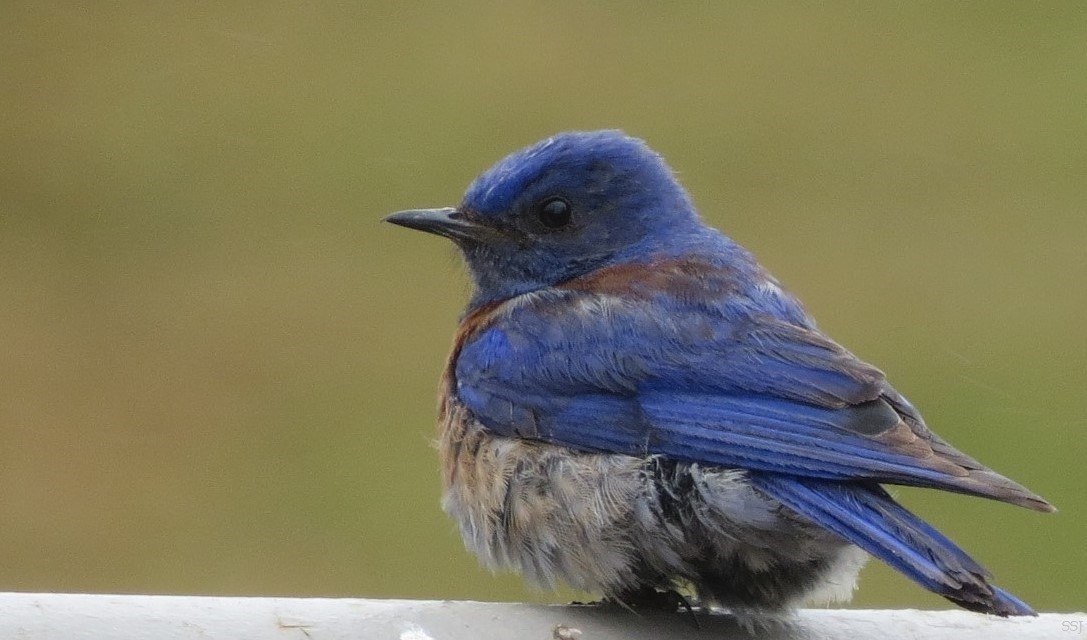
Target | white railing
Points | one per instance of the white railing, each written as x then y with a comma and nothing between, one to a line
48,616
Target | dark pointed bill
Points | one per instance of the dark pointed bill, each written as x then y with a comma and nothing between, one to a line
448,222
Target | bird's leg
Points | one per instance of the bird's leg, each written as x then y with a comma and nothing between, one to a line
650,599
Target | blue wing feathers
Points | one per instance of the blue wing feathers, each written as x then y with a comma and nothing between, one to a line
726,383
750,390
750,432
869,518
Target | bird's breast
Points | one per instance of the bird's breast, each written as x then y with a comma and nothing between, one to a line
551,513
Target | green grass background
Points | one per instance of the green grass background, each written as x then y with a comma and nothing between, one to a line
217,369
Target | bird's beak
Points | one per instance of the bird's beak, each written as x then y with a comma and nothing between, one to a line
448,222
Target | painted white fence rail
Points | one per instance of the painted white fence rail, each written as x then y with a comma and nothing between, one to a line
32,616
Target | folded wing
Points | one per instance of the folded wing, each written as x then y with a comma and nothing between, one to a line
724,385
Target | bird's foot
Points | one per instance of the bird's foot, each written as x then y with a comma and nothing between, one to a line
653,600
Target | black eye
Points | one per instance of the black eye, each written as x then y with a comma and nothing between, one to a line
554,213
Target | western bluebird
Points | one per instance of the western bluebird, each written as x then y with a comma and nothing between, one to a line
633,405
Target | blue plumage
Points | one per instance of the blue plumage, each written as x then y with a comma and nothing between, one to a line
871,519
611,329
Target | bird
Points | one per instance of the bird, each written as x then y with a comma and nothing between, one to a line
635,407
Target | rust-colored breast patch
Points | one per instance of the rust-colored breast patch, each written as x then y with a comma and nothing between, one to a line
453,418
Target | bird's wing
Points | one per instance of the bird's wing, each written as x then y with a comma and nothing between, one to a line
681,361
867,516
684,361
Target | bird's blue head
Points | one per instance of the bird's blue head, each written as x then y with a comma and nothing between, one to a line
561,208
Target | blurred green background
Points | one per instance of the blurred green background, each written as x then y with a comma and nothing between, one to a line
217,368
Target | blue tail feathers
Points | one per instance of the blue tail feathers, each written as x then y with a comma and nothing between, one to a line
867,516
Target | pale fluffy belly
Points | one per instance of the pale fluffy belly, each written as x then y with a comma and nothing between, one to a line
611,524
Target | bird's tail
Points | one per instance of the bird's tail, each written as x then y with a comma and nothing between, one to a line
867,516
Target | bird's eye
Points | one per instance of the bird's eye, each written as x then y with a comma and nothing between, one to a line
554,213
